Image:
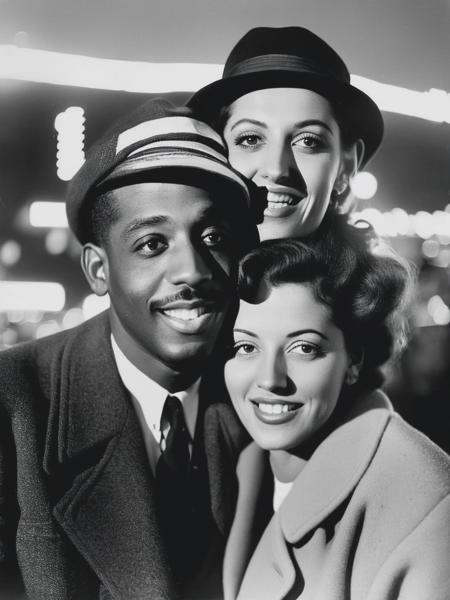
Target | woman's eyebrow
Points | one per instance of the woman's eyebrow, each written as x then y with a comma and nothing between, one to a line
302,331
236,329
250,121
297,125
309,122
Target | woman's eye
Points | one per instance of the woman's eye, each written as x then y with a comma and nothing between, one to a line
244,348
308,141
152,246
306,349
248,140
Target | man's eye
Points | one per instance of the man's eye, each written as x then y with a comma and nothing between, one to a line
215,238
152,246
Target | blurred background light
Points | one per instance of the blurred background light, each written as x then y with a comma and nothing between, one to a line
31,296
58,68
438,310
430,248
48,214
443,259
432,105
9,337
93,305
10,253
72,318
15,316
423,224
364,185
48,328
69,125
56,241
41,66
397,222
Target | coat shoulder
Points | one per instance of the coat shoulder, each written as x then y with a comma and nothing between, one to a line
408,473
31,366
416,455
221,417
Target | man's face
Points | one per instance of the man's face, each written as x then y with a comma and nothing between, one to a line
170,270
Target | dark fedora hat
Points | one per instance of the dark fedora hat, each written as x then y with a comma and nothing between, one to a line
268,57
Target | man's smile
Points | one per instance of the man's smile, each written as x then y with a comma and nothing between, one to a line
189,317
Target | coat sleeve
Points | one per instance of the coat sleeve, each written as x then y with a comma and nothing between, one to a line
11,586
419,566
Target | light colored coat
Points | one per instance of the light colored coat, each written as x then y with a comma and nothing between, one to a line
367,518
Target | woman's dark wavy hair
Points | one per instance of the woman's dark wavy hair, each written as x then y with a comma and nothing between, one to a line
366,288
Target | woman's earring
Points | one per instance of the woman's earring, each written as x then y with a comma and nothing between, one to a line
352,374
340,185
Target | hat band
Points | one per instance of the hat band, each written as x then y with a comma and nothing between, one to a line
285,62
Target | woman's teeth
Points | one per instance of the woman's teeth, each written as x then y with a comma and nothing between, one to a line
276,409
276,200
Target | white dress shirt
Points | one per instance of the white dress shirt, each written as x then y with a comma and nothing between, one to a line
148,399
281,490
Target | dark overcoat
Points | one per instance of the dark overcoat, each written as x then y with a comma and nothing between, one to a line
77,496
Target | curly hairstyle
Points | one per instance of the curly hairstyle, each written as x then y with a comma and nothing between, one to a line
367,288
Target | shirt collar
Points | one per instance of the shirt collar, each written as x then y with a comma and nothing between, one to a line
151,396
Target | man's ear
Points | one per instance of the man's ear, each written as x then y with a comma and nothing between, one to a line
94,263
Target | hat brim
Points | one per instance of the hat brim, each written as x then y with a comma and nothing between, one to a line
203,172
362,116
208,173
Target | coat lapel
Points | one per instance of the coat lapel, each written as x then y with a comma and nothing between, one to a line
223,438
95,449
335,468
326,480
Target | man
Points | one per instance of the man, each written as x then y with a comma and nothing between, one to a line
116,455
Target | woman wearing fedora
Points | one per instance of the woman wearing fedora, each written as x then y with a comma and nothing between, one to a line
293,123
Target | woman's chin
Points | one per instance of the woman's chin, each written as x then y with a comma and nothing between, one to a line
275,228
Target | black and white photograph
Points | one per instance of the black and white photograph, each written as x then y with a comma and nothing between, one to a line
224,300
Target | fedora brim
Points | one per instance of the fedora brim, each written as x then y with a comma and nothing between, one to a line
362,116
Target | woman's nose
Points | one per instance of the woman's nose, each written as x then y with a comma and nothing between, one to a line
272,375
278,163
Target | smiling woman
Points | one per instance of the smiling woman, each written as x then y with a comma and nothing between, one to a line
287,140
288,372
317,321
293,123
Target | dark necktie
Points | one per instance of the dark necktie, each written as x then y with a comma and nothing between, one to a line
172,480
174,459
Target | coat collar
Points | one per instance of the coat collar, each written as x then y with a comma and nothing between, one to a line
88,403
103,488
95,455
335,468
329,476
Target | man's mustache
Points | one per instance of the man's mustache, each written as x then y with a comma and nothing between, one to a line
190,294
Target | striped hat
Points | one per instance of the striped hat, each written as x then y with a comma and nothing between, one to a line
156,136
